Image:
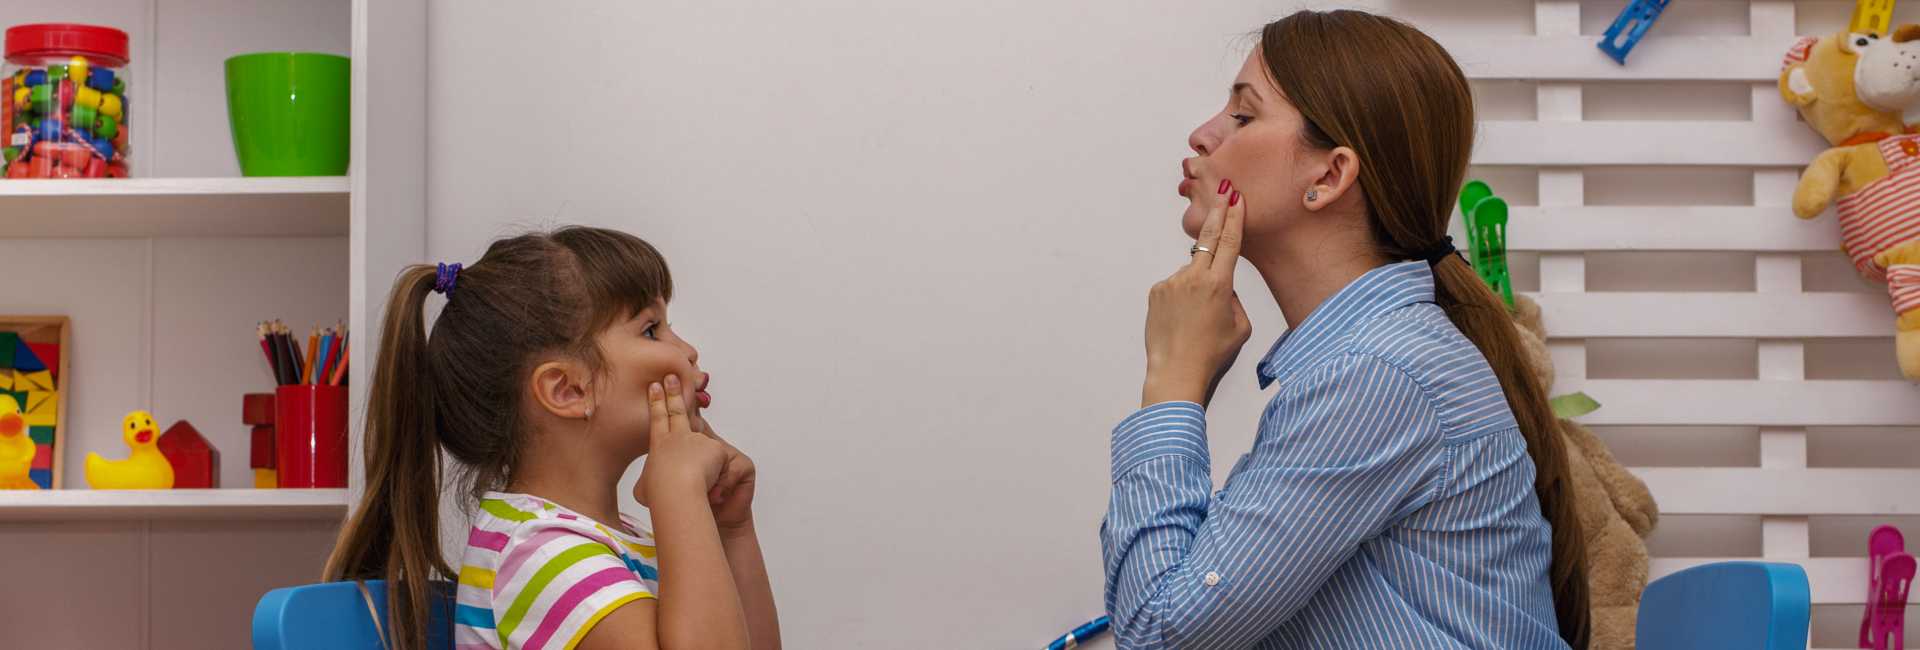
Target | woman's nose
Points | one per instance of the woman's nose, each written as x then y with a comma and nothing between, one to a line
1197,141
1204,138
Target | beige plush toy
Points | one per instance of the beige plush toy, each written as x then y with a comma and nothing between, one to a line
1860,91
1614,507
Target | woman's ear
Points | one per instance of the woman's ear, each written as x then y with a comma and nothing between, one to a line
558,389
1341,172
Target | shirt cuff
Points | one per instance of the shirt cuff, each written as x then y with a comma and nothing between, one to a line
1177,429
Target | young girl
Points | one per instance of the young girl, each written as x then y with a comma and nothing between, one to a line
550,370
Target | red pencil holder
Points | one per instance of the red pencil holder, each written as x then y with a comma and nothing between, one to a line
310,436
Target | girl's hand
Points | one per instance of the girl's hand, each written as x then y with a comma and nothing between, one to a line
680,460
1195,322
732,496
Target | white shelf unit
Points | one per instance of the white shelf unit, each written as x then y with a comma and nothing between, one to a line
66,505
174,207
186,566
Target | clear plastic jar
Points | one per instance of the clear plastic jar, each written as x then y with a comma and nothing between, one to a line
65,90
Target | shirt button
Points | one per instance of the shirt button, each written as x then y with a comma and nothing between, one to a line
1212,579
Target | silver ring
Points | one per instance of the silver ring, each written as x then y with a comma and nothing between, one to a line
1197,248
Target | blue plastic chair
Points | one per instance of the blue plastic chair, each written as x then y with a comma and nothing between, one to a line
333,615
1726,606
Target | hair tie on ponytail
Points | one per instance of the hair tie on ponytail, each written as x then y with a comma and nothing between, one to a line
446,277
1440,252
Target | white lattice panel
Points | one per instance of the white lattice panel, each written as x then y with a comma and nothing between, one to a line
1573,224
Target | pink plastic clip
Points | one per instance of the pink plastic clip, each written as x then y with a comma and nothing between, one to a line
1890,573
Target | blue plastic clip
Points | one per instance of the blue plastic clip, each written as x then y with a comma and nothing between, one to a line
1083,633
1630,26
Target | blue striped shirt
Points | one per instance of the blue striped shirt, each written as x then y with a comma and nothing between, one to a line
1388,500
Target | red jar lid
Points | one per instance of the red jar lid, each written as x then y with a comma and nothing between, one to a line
65,39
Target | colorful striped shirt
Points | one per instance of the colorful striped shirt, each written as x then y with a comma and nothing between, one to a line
1387,502
537,575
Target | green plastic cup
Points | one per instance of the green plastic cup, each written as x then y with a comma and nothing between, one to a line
289,112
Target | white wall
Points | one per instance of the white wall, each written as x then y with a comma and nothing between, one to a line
913,241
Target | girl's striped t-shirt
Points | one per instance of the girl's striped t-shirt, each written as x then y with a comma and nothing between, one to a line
536,575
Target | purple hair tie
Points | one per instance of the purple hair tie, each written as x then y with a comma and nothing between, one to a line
446,278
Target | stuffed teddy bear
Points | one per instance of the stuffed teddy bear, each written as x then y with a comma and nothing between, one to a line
1857,90
1615,508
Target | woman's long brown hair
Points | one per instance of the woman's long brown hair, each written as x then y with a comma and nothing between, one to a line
1393,95
460,391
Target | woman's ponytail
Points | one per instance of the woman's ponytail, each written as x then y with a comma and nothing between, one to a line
1405,107
1484,319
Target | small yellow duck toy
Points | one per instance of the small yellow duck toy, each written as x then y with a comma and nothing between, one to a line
145,467
16,448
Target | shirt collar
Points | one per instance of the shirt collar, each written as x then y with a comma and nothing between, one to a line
1375,292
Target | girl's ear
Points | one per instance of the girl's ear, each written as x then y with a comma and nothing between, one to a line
558,389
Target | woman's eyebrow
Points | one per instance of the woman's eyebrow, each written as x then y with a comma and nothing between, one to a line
1244,86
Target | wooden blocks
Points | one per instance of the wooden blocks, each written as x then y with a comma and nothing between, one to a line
42,408
31,367
48,357
256,410
41,381
196,463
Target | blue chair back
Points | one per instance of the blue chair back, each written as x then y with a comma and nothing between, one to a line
1726,606
333,615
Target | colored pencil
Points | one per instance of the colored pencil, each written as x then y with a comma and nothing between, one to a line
340,369
266,349
326,356
340,373
311,358
299,359
321,361
339,349
283,350
293,354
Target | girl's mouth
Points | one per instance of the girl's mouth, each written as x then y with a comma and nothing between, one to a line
700,393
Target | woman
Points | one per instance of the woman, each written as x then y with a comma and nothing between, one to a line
1406,488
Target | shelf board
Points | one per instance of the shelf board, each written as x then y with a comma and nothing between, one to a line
59,505
174,207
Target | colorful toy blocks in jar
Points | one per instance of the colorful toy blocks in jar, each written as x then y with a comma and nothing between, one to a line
64,89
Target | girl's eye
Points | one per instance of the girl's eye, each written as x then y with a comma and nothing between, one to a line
651,332
1242,119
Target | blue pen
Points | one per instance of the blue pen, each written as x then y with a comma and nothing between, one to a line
1085,632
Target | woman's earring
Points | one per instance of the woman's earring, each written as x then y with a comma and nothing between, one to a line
589,411
1313,195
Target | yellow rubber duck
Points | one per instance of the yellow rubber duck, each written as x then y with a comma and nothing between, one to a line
16,448
145,467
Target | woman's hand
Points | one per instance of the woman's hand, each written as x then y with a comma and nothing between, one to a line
1195,323
689,458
